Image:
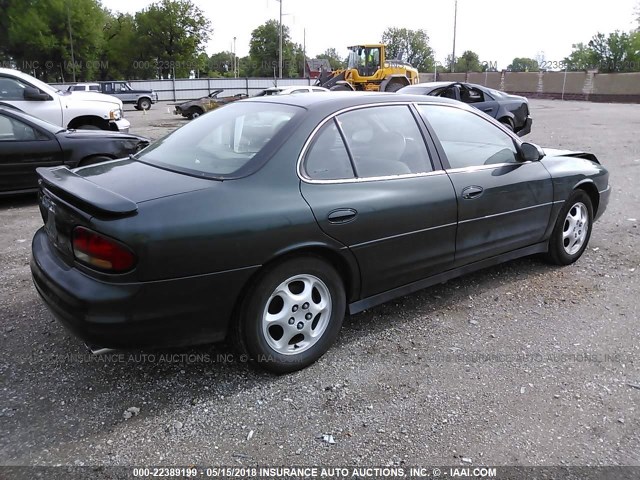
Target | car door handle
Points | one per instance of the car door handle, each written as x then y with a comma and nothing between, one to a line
342,215
472,191
488,110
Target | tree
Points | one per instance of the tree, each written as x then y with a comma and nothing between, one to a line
221,64
172,34
335,60
469,61
37,36
118,60
264,51
411,46
581,58
523,64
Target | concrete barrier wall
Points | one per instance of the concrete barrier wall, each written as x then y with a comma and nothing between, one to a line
598,87
616,84
593,86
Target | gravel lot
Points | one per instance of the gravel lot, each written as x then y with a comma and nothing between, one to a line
521,364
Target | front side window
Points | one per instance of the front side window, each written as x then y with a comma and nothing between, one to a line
380,142
11,89
385,141
12,130
467,139
223,141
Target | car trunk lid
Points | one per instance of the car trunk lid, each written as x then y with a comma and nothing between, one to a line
70,198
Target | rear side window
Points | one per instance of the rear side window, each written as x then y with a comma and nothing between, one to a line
327,158
385,141
380,142
222,141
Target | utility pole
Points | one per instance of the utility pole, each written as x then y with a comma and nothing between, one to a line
304,53
280,44
235,59
455,24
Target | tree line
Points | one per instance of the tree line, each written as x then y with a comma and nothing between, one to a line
82,40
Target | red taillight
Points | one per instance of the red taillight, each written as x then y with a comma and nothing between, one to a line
100,252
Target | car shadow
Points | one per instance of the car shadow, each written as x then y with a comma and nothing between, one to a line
95,391
19,200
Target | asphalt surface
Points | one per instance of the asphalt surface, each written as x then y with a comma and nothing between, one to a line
521,364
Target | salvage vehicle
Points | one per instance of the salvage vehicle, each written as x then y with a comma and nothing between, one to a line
27,143
291,90
269,219
194,108
141,98
510,110
369,69
88,111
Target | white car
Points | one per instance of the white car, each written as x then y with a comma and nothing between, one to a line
292,90
84,87
90,110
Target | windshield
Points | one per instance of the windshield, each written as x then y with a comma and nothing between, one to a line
222,141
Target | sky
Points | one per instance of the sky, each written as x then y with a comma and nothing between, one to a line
498,30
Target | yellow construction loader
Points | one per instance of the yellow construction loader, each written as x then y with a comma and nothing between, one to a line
368,69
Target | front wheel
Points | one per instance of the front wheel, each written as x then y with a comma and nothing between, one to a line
572,230
292,315
144,104
394,87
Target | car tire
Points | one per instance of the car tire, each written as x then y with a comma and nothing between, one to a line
292,314
507,122
195,113
340,88
93,160
394,87
144,104
572,230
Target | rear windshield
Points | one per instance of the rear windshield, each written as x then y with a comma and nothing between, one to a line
222,141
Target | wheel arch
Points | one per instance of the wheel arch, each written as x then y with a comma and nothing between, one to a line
590,189
89,120
345,265
395,78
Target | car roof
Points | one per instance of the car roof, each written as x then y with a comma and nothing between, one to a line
82,84
340,100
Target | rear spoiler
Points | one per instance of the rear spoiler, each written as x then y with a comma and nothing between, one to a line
80,190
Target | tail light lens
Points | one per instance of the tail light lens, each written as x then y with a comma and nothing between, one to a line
100,252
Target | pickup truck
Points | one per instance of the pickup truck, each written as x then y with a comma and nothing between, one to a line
88,111
142,99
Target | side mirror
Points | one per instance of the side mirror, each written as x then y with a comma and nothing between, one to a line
530,152
31,93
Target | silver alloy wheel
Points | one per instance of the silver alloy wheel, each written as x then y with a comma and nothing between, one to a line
296,314
575,229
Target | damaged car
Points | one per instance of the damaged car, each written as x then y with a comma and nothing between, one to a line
194,108
510,110
27,142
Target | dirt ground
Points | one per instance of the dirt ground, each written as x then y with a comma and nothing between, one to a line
521,364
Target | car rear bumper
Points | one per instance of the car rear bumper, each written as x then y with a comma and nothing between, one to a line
526,128
166,313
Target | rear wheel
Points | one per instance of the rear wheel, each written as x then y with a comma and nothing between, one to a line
340,88
572,229
195,113
292,315
144,104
